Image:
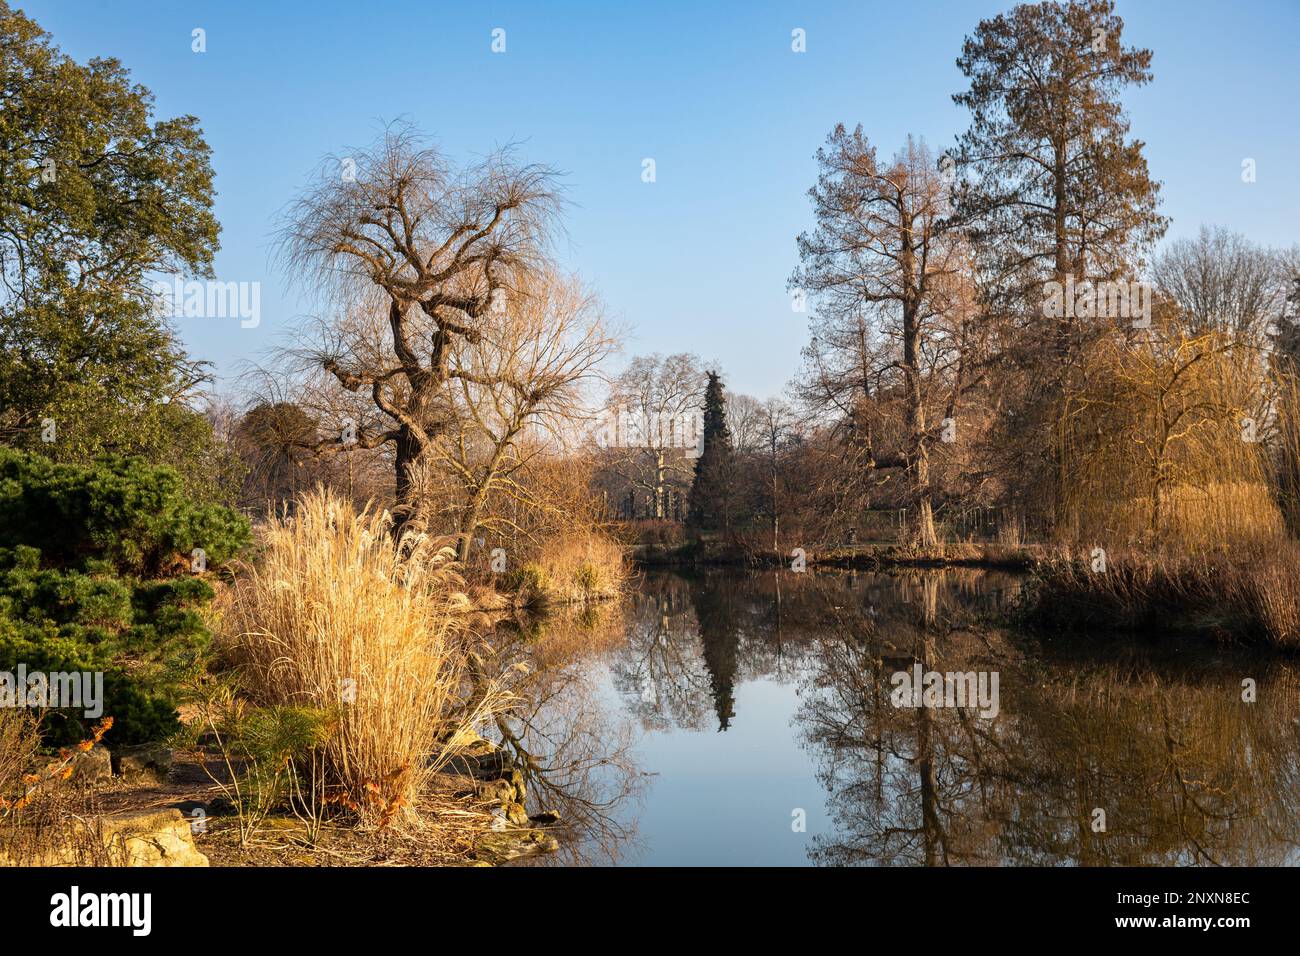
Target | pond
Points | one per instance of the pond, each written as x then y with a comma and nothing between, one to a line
775,718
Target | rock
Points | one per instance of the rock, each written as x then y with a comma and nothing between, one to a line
195,813
131,838
477,747
516,815
498,791
151,838
545,819
485,766
146,763
517,782
93,766
502,846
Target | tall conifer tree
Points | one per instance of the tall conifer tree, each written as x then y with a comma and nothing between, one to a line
711,492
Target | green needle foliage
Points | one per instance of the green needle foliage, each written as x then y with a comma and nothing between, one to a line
711,501
95,576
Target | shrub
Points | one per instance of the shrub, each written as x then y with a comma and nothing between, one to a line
1264,585
74,541
530,578
121,510
19,742
43,808
1249,592
52,620
266,754
587,577
1151,450
658,532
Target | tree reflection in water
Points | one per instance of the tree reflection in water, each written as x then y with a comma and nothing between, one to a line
573,751
1154,733
1185,771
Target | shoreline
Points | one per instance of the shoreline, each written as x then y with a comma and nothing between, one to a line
991,556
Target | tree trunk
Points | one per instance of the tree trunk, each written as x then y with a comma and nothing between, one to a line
659,485
920,462
468,525
776,519
409,450
478,500
925,533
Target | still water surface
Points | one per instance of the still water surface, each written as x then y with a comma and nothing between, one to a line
729,718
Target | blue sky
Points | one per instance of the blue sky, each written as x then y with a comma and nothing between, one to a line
696,261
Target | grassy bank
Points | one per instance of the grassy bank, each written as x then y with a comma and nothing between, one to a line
344,683
580,568
349,650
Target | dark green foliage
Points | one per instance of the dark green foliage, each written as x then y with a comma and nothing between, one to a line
712,494
84,557
271,736
54,620
97,198
272,751
123,511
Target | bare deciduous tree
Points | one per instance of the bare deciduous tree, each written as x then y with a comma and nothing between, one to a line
744,419
517,390
654,403
414,252
1223,282
776,426
889,275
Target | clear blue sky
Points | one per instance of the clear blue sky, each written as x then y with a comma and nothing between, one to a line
698,260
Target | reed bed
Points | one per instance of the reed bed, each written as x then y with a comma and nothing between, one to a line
1251,592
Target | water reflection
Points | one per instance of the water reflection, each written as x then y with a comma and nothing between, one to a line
1103,752
573,751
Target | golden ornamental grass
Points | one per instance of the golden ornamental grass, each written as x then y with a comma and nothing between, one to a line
582,566
334,616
